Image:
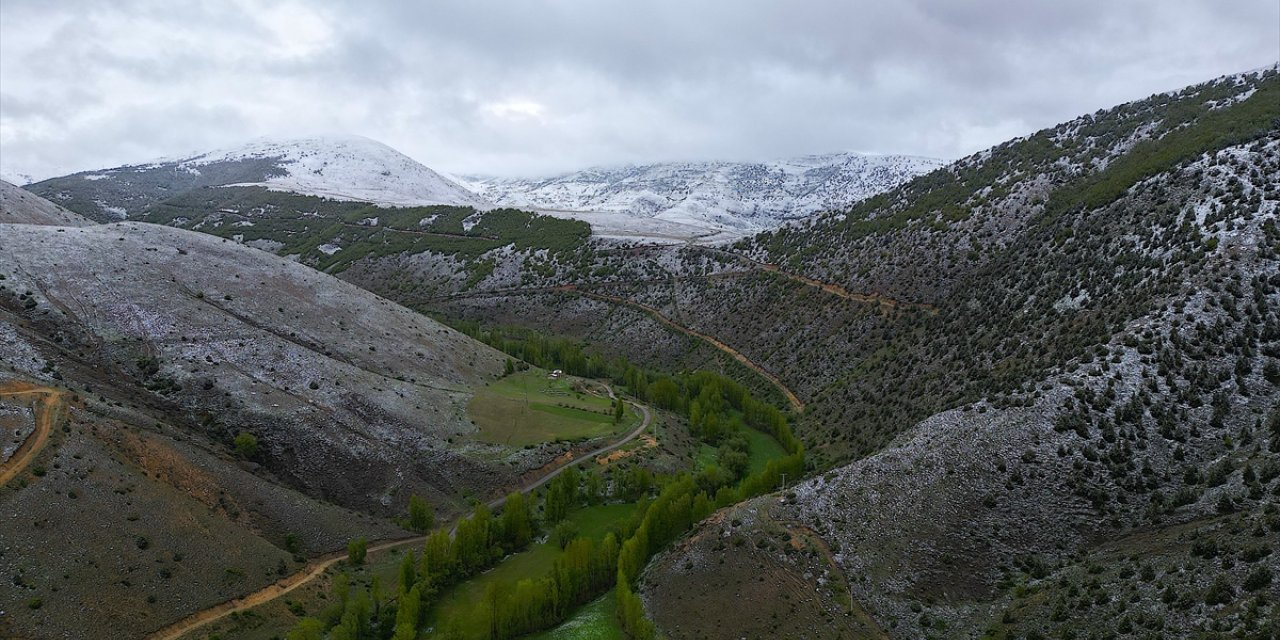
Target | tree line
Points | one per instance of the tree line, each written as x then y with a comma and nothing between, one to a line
718,408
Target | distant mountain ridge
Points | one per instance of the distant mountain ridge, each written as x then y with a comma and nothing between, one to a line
740,196
345,167
678,200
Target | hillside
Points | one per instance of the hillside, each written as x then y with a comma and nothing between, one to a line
349,168
1082,441
158,350
733,196
18,206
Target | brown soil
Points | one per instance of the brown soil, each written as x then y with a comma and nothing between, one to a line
647,442
50,407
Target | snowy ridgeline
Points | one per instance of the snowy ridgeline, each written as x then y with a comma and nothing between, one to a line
344,168
680,201
744,196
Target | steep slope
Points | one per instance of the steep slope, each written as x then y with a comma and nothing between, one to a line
329,373
349,168
18,206
715,195
1092,419
137,506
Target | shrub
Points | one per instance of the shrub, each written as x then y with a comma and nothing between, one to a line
1257,579
357,550
246,445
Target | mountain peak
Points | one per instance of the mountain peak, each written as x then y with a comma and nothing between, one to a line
343,167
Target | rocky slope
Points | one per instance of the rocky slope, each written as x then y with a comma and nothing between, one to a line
18,206
167,344
1101,452
328,374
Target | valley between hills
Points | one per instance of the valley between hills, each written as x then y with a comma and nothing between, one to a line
309,388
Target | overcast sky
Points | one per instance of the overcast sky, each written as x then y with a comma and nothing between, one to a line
535,87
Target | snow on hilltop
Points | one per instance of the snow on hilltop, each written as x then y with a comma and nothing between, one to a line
344,168
725,195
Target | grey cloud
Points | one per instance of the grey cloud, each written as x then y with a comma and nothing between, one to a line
535,87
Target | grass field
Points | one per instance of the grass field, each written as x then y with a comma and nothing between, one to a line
528,408
596,621
593,522
763,449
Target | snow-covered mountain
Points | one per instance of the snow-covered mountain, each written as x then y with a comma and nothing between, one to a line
711,201
339,167
741,196
343,168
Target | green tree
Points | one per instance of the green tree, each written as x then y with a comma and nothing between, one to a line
421,516
594,488
408,573
408,615
246,445
307,629
517,521
292,543
439,557
619,409
510,367
356,551
562,495
564,533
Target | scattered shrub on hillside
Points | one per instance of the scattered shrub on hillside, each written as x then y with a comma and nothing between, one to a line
246,445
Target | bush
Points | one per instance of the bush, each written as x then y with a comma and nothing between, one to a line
1220,592
1257,579
357,550
246,445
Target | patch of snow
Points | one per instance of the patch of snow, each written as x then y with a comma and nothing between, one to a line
116,212
329,249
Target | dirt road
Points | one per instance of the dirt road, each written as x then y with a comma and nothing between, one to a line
734,353
49,409
317,567
885,302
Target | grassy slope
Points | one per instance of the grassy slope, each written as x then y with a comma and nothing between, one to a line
527,407
593,522
596,621
763,449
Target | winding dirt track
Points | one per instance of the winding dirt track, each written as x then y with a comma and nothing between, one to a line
50,408
317,567
886,303
737,355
